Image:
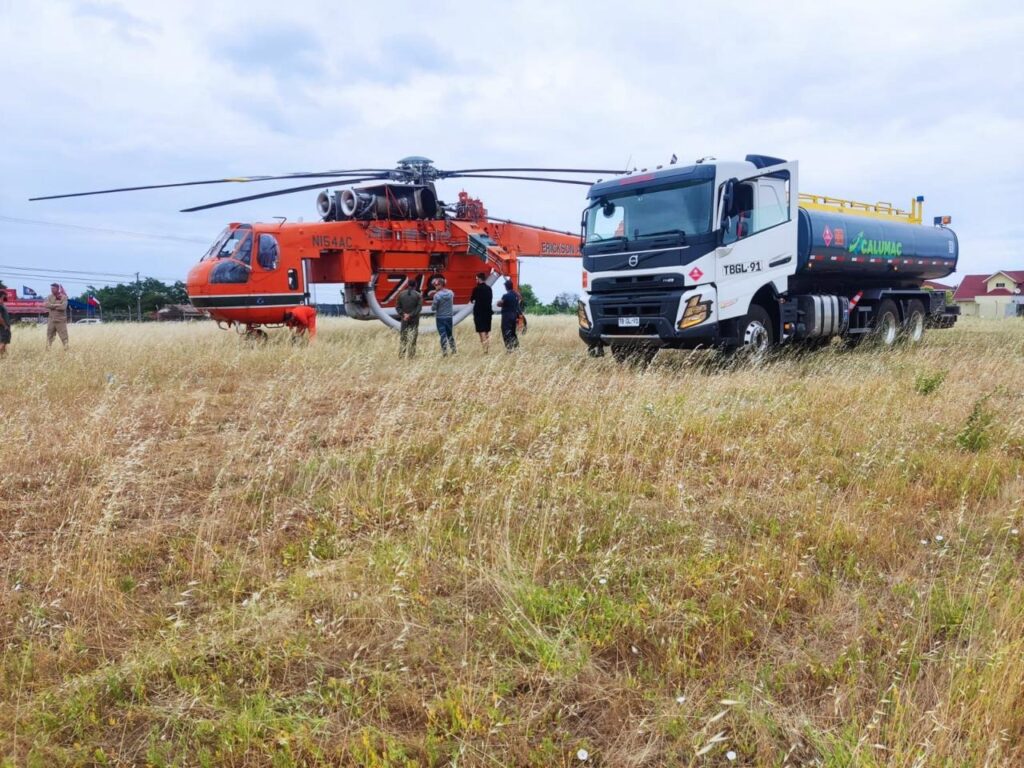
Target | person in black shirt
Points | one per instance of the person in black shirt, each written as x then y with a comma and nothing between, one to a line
509,316
482,298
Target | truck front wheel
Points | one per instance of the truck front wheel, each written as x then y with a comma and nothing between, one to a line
756,336
913,328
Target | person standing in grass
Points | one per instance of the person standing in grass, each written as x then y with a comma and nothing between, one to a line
57,324
444,312
5,323
409,306
483,311
509,304
302,320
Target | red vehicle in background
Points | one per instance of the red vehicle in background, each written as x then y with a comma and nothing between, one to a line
25,309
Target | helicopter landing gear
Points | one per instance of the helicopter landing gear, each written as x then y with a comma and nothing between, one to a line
255,334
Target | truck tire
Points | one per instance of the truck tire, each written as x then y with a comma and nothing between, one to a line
913,326
755,331
885,329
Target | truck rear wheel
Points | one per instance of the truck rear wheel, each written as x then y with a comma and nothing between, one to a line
913,326
886,328
756,336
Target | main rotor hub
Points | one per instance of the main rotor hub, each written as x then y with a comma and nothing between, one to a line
416,169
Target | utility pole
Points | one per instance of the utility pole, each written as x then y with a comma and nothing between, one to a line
138,296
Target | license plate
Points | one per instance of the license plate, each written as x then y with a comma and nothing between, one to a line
629,322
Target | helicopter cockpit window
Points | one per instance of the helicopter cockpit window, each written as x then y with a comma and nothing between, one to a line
229,241
267,257
233,258
217,245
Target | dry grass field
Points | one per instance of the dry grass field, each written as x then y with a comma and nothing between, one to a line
213,553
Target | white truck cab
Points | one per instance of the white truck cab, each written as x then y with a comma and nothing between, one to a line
719,254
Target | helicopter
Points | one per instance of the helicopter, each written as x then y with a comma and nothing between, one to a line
374,239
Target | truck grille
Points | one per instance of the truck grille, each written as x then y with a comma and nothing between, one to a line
636,282
631,310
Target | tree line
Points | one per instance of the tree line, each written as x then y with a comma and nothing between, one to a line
564,303
149,293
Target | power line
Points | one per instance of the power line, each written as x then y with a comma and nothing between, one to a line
27,276
55,278
61,281
103,230
37,270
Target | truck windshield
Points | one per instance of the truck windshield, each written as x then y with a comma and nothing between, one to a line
632,215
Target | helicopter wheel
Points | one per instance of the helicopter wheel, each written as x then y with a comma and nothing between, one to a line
256,335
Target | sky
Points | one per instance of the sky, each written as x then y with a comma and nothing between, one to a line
877,101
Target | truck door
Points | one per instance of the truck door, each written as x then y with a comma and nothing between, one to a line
757,237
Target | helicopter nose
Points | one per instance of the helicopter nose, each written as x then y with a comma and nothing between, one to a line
198,278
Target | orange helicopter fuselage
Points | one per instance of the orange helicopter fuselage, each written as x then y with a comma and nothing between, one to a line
255,272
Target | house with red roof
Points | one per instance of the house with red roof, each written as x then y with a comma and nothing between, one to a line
992,296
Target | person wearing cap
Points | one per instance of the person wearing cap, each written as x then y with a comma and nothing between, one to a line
509,304
409,306
443,303
57,323
5,323
302,320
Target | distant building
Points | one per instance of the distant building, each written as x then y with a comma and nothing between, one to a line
937,286
993,296
179,312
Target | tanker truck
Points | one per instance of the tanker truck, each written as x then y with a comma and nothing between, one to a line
731,255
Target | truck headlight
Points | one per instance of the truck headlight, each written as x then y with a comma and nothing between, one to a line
581,314
696,312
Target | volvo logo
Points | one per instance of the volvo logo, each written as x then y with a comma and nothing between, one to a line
633,259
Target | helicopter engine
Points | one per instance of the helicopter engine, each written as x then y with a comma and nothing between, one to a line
384,201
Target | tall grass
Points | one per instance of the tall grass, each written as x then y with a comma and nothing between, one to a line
222,554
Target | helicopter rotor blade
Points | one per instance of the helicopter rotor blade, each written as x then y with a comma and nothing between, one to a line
275,193
518,178
529,170
230,180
